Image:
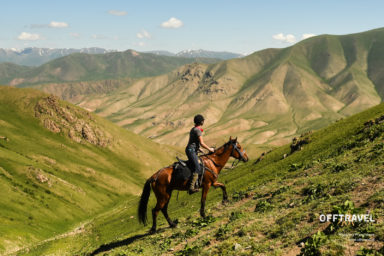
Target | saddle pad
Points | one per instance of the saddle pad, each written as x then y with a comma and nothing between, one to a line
182,172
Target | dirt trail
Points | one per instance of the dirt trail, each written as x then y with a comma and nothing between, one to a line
79,229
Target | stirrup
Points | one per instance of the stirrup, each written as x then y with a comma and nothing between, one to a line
192,191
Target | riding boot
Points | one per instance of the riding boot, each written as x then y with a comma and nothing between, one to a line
192,188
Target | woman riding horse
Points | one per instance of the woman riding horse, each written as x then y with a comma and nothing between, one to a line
194,142
162,183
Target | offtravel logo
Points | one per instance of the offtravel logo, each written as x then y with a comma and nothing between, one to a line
346,218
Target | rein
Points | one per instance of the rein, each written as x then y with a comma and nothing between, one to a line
234,164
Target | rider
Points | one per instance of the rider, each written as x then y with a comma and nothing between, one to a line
195,140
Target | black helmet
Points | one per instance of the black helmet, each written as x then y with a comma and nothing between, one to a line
198,119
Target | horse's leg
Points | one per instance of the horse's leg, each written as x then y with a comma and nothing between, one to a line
162,199
222,186
165,212
206,187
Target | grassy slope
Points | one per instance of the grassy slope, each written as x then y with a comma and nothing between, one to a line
275,204
8,71
52,183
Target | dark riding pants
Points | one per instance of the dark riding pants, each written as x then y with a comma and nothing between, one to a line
193,158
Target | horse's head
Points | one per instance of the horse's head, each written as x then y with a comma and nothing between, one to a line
238,151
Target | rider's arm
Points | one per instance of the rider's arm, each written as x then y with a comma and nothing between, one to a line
205,145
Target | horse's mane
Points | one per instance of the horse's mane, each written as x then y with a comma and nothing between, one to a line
217,150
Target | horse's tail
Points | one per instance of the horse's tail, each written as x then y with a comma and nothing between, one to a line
142,210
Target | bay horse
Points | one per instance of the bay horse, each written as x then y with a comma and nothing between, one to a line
162,183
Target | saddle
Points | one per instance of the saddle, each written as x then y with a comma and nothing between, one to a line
182,171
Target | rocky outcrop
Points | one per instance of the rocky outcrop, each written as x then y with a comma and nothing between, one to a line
192,72
77,124
298,143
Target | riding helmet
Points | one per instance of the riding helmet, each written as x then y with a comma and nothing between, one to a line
198,119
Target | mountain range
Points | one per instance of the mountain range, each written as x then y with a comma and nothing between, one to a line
265,98
88,67
33,56
201,54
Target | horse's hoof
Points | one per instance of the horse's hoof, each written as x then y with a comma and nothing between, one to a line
152,231
225,201
173,225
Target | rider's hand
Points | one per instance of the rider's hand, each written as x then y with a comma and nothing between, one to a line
212,150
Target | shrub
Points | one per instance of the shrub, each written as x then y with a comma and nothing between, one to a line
295,166
263,206
368,252
313,244
188,251
315,192
240,195
191,232
222,232
203,222
235,215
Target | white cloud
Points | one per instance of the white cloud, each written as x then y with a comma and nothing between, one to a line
305,36
117,13
56,24
143,34
289,38
28,37
172,23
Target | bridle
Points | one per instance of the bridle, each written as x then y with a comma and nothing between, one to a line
234,147
234,144
242,157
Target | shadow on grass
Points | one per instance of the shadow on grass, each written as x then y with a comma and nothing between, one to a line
127,241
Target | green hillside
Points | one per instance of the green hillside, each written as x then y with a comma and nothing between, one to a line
266,98
9,71
274,208
61,165
91,67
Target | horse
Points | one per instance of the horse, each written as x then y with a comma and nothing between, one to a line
162,183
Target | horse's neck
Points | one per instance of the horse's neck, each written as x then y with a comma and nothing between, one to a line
222,158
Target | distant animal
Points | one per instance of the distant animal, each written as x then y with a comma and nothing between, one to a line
4,138
163,182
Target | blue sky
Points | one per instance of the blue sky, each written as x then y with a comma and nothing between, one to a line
237,26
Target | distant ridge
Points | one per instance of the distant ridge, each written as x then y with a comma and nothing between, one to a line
33,56
91,67
200,54
209,54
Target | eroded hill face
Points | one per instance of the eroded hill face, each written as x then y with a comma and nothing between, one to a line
77,124
265,98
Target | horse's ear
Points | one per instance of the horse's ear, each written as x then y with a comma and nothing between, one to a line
230,138
235,139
